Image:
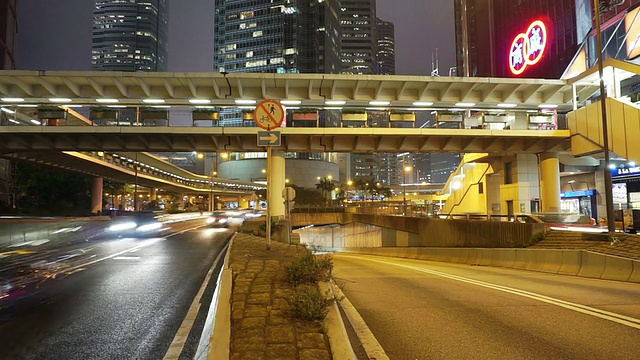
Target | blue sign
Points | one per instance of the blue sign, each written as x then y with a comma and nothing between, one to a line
622,172
577,193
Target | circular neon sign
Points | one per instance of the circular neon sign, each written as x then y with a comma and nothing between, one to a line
527,48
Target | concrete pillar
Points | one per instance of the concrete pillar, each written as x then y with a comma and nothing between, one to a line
96,196
550,182
153,194
276,183
118,201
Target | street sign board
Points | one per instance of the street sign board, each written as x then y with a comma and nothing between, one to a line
269,138
268,114
289,193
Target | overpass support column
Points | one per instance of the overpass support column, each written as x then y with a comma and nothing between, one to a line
153,195
550,183
276,184
96,196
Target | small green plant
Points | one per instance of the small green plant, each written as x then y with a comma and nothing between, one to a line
538,236
309,269
309,303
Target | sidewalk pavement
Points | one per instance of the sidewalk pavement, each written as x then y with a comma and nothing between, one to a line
261,327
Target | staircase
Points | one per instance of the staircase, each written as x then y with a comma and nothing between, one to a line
558,239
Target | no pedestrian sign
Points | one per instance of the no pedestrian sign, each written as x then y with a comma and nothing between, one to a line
268,114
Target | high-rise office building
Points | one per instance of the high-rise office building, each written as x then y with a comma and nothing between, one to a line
491,35
8,30
130,35
359,36
386,48
276,36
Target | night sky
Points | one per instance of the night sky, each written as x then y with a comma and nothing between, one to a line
56,35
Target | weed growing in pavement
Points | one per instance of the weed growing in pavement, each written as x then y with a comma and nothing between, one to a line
309,303
309,269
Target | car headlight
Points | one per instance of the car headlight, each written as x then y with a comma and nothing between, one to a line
222,221
149,227
211,220
122,226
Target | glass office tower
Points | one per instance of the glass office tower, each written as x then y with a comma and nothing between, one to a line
130,35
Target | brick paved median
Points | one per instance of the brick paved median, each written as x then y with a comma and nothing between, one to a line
261,327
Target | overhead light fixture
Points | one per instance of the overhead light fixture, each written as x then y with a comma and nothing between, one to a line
293,107
422,103
335,102
246,107
72,106
153,101
245,102
36,122
379,103
27,105
12,99
507,105
161,106
60,100
333,108
199,101
117,106
107,101
290,102
547,106
465,104
8,111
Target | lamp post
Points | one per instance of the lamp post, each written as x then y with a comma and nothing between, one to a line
404,189
608,182
349,183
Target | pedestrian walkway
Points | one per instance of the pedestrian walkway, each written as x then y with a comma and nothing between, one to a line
261,327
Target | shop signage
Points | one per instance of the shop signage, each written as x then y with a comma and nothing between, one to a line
528,47
625,171
577,193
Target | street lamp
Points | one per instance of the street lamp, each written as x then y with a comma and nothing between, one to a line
349,183
404,189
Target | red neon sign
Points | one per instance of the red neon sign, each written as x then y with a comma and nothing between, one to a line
527,48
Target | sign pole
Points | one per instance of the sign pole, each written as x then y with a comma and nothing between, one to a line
269,184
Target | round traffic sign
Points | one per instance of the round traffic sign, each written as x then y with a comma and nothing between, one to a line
268,114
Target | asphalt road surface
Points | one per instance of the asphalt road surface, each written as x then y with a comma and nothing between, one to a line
109,297
429,310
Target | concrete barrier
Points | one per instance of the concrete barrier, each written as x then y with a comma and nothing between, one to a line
635,273
566,262
616,268
552,261
571,262
592,265
503,257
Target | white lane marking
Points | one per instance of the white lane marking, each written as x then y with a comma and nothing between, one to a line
607,315
180,339
135,248
126,258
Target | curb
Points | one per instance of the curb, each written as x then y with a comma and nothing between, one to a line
369,342
338,339
220,340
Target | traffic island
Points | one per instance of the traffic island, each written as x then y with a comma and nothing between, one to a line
261,324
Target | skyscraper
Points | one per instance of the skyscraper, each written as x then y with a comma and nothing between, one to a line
359,36
386,48
276,36
130,35
8,30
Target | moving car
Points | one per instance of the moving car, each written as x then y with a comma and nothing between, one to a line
218,219
141,223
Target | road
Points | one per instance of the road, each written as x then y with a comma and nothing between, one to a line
110,298
430,310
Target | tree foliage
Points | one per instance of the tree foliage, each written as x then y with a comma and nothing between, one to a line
42,191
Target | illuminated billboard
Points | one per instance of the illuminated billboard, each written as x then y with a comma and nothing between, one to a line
528,47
